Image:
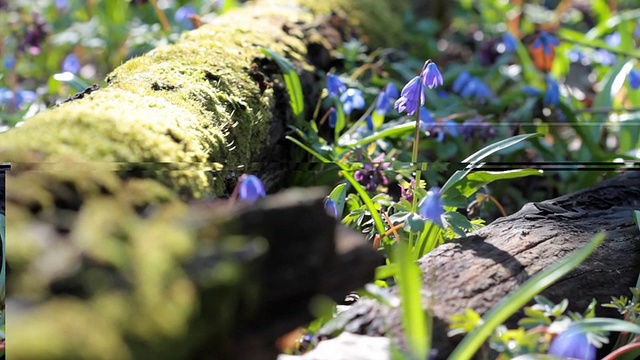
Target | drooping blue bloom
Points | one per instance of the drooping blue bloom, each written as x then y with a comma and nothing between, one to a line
510,42
331,208
552,96
182,15
634,79
409,97
460,82
386,98
435,128
71,64
547,41
369,122
352,99
333,117
431,76
251,188
573,344
9,62
636,31
432,207
335,86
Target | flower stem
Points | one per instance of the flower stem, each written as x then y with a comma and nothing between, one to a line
414,156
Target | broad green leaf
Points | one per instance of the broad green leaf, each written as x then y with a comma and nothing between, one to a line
477,179
597,324
457,222
514,301
338,195
292,81
74,81
341,119
483,153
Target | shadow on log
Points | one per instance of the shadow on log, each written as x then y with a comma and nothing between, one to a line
479,270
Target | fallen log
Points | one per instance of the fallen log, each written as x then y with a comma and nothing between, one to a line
479,270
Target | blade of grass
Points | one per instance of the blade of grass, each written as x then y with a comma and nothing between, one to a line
513,302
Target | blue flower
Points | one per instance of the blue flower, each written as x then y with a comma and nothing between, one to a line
71,64
18,98
476,88
547,41
331,208
9,62
251,188
335,86
369,122
435,128
552,96
61,4
604,57
182,15
431,207
510,42
385,98
431,75
572,343
531,91
634,79
352,99
460,82
411,93
333,117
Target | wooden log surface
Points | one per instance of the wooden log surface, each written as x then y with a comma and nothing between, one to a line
479,270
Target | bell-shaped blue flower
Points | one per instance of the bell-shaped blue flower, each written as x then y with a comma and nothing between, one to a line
369,122
409,97
634,79
335,86
431,76
552,96
572,343
71,64
352,99
331,208
386,98
476,88
431,207
250,188
333,117
460,82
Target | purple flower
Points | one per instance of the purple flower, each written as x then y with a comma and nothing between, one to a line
34,36
71,64
406,191
634,79
431,207
572,343
385,98
411,93
431,75
61,4
182,15
372,175
335,86
547,41
331,208
552,96
352,99
250,188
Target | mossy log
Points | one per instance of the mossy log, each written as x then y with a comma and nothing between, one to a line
479,270
98,248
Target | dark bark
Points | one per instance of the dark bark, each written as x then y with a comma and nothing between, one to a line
479,270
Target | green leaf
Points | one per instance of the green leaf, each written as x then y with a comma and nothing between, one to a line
598,324
395,131
413,315
514,301
338,195
483,153
74,81
457,222
613,82
477,179
292,81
